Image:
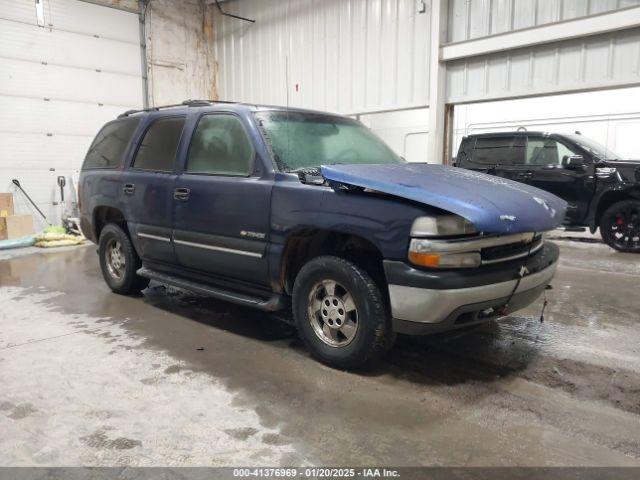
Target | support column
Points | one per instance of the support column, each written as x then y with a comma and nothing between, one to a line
437,82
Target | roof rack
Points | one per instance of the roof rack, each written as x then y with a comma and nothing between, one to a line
186,103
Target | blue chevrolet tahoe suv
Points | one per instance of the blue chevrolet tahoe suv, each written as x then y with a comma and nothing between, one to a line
307,212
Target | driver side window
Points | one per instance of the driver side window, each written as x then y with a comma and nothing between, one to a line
220,146
546,151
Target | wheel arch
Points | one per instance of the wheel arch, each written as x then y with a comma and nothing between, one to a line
306,244
609,198
102,215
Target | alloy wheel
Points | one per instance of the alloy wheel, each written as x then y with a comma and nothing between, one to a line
332,313
625,228
115,259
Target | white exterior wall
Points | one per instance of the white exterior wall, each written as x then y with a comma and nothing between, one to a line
346,56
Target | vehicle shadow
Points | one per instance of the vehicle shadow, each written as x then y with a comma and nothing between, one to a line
219,314
482,353
479,354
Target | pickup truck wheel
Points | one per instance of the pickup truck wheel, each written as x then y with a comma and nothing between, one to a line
340,313
119,261
620,226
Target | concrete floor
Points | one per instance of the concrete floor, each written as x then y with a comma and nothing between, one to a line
88,377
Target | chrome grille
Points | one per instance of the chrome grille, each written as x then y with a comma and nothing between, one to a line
510,251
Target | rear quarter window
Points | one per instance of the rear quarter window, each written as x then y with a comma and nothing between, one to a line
503,150
159,146
109,146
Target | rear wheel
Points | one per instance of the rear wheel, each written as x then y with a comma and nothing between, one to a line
119,261
620,226
340,313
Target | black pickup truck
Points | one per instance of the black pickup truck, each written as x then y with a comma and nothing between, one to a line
310,213
602,190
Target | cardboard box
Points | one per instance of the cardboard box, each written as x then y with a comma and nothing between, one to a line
16,226
6,204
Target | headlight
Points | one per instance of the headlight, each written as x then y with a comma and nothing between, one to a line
421,253
441,225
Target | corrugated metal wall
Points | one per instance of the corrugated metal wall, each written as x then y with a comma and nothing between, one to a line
347,56
593,62
470,19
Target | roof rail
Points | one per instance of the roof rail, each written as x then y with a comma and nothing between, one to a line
152,109
186,103
201,102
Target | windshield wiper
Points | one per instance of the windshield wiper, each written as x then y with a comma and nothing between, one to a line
305,170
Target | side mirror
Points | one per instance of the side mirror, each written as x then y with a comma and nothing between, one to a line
573,163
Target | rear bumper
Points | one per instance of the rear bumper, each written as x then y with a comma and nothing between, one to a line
431,301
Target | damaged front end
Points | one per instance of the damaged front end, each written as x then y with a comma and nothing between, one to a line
480,255
492,205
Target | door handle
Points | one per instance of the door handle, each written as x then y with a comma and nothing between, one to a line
128,188
181,194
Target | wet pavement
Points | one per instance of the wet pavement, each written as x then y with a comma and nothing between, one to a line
88,377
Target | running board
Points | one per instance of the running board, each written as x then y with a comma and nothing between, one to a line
276,302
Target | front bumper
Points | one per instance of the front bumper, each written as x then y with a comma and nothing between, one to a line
432,301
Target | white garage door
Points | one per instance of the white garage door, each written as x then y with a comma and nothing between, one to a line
66,68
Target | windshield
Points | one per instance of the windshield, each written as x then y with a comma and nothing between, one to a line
594,148
307,140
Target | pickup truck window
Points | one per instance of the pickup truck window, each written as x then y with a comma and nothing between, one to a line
107,149
157,151
220,146
546,151
594,148
308,140
503,150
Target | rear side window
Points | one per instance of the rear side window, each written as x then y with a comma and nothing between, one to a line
157,151
498,150
109,146
220,146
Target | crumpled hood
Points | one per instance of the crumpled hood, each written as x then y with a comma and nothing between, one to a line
492,204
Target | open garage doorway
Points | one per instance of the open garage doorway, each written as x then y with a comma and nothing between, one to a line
609,117
570,145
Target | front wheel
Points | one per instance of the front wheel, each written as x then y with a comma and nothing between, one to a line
119,261
620,226
340,313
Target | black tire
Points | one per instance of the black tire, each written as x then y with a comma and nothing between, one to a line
620,226
127,282
373,336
